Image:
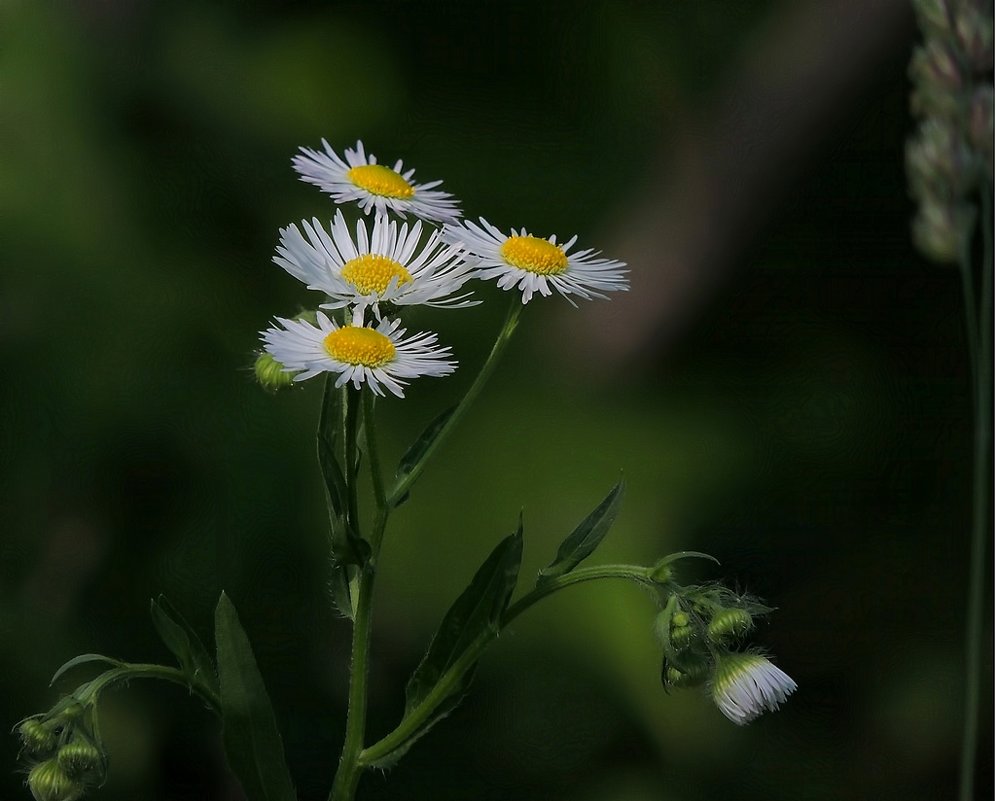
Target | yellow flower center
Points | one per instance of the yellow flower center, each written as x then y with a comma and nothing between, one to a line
380,180
534,254
371,273
354,345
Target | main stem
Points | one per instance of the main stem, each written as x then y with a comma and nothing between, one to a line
981,486
348,775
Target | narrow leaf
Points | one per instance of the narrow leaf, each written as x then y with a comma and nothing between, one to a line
476,613
181,639
585,538
420,447
249,728
83,659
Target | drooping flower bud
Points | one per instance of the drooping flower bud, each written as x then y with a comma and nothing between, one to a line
728,624
39,740
80,758
745,685
937,80
49,782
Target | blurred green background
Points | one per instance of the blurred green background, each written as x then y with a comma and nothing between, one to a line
785,386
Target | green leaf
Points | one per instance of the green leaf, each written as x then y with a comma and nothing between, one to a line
585,538
249,728
83,659
420,447
476,614
181,639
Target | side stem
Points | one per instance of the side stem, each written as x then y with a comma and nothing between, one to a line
981,486
504,335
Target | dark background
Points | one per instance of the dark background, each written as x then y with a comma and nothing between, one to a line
785,386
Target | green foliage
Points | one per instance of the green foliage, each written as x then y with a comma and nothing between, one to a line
82,659
585,538
185,645
418,449
474,619
252,740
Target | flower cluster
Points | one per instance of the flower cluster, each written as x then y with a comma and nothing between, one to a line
952,150
63,752
699,628
369,274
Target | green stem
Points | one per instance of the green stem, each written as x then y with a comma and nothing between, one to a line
126,671
449,681
980,505
350,768
504,335
348,775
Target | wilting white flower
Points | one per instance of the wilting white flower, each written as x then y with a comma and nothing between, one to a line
382,266
745,685
380,357
358,177
531,264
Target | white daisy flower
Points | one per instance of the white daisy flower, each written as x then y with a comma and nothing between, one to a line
745,685
359,177
385,266
382,357
531,264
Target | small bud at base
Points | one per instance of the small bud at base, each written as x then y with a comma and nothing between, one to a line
271,374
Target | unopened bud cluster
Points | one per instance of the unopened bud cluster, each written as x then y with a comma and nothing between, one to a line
63,754
952,149
700,629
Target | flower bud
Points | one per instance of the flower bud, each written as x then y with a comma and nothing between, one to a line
39,740
690,675
938,161
80,758
937,80
271,374
974,33
934,17
729,624
48,782
745,685
941,230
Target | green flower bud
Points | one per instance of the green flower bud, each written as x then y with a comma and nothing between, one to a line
939,162
728,624
974,32
39,740
691,675
662,572
271,374
940,230
934,17
48,782
937,80
679,620
80,758
681,636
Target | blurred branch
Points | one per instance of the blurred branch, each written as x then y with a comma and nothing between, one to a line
722,175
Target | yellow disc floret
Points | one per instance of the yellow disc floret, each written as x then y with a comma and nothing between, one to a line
359,346
380,180
534,255
371,273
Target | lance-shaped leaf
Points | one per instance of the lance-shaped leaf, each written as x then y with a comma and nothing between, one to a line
83,659
474,617
253,745
419,448
585,538
181,639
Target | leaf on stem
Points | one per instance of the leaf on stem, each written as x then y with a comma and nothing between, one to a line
181,639
416,453
83,659
585,538
252,740
445,673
